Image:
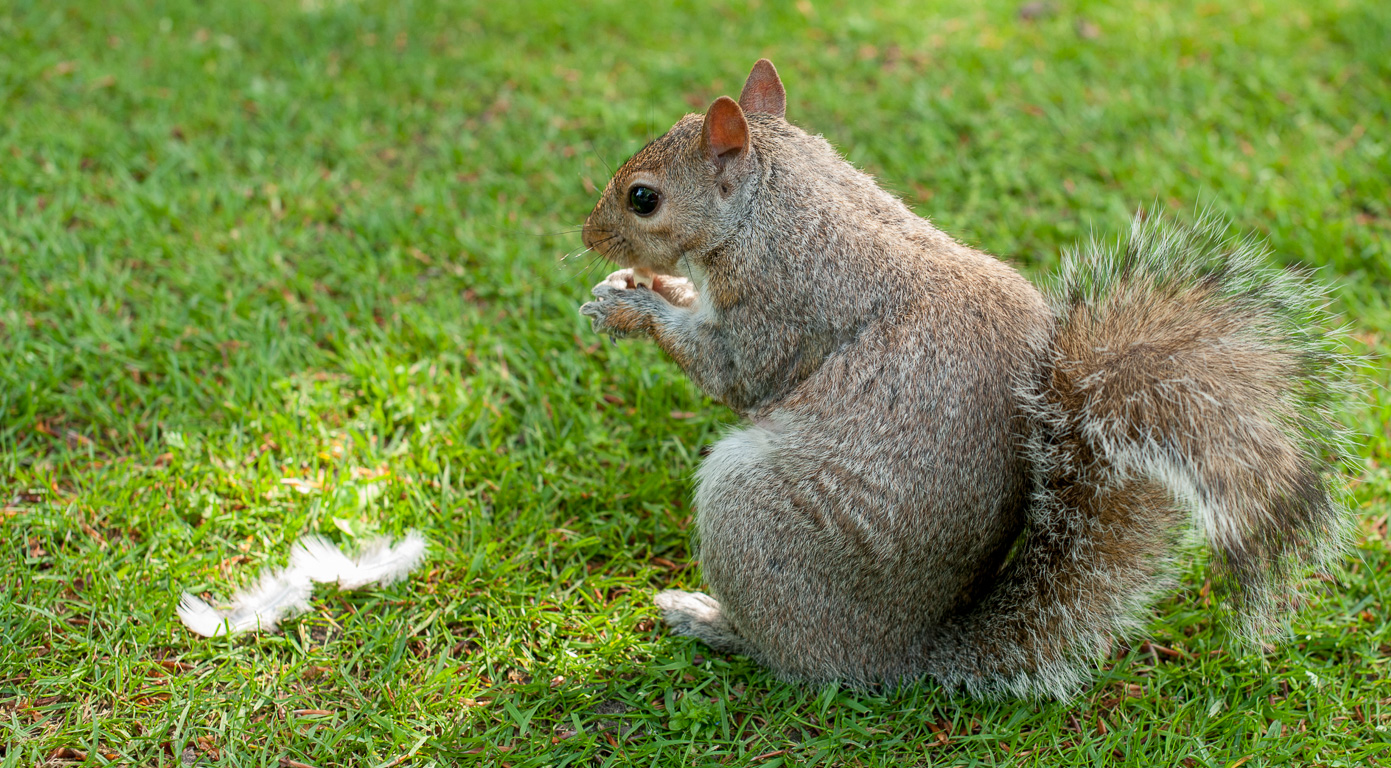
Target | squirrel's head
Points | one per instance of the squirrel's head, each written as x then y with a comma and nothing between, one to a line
685,193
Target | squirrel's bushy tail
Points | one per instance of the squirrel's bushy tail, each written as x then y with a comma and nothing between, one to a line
1185,382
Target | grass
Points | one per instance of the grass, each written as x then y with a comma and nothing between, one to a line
322,240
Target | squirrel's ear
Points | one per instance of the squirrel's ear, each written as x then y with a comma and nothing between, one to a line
726,132
763,91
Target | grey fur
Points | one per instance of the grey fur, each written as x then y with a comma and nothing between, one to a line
916,410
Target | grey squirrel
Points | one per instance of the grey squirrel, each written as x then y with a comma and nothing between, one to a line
945,472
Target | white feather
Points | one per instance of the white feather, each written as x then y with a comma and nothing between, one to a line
199,617
275,596
319,560
381,563
280,594
378,563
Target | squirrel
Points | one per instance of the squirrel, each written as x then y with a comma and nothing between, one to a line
944,472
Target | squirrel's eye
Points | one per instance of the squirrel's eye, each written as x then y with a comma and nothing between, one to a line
643,200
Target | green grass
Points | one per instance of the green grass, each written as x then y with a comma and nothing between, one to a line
245,242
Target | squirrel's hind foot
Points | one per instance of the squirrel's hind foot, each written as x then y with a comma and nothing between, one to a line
696,614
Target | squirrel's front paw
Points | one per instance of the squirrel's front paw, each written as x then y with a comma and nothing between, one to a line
622,312
678,291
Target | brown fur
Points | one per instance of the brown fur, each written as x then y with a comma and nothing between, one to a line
917,409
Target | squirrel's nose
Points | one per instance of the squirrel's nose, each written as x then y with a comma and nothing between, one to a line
590,234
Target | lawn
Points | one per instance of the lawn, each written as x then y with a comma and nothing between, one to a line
272,268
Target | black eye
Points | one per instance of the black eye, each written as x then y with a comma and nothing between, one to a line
643,200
